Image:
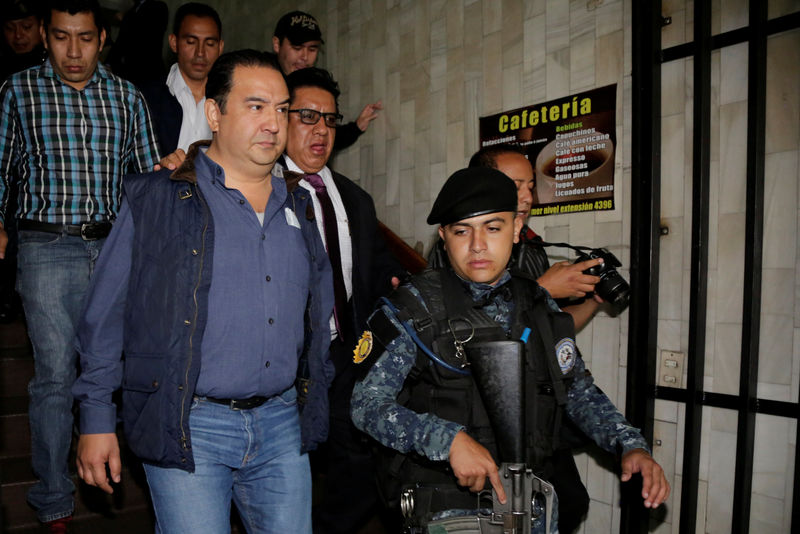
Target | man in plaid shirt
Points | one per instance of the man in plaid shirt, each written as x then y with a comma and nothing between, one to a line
69,130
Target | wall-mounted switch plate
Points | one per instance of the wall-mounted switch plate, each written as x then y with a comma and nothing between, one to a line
670,369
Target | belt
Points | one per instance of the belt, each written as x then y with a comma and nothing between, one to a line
239,404
88,231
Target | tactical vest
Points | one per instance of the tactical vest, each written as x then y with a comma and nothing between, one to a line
452,317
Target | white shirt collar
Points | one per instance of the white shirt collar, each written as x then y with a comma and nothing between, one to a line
194,126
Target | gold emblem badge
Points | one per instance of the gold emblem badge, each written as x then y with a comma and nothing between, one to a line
363,348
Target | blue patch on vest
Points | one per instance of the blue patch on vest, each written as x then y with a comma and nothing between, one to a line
565,352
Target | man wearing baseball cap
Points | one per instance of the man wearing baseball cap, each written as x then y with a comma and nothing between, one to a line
297,41
419,398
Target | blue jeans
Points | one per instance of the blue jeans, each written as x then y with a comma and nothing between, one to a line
252,456
53,275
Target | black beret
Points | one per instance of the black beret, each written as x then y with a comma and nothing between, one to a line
472,192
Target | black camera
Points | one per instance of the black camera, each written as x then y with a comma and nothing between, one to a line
612,288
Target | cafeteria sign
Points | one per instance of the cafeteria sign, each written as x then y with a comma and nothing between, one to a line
570,143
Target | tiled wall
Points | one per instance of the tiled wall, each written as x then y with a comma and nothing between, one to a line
439,65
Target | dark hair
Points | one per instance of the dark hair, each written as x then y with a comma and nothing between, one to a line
73,7
220,77
487,156
313,77
20,9
195,9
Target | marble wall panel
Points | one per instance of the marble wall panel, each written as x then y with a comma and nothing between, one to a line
393,172
720,482
732,14
421,24
733,74
438,133
730,266
772,464
609,57
780,210
407,135
438,177
366,168
535,58
422,156
582,20
455,84
558,63
777,8
511,90
472,92
557,13
775,295
492,74
605,350
775,347
702,506
665,433
673,164
455,23
511,28
673,87
727,355
766,515
666,411
473,46
783,92
733,157
676,32
582,62
455,147
609,17
671,271
391,113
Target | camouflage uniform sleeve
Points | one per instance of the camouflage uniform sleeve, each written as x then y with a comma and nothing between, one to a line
596,415
375,410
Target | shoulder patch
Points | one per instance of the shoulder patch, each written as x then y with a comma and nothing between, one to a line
382,329
565,352
363,348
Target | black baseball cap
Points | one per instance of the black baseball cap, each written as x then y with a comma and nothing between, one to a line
298,27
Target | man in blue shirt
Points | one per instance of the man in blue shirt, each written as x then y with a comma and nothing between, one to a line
69,130
216,286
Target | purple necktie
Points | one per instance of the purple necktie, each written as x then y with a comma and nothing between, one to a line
332,241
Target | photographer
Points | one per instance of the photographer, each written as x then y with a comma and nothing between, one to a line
563,280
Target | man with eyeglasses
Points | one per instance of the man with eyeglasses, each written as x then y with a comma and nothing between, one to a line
297,41
363,270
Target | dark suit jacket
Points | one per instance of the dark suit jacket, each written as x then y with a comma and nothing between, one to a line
373,264
136,54
165,112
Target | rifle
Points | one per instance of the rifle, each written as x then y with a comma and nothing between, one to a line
498,370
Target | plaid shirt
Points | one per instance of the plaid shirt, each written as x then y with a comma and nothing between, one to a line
69,149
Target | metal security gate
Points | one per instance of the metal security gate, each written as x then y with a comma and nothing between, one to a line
649,59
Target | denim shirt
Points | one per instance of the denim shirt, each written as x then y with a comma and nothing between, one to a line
150,297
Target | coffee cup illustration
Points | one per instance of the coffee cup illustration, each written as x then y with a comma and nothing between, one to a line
566,173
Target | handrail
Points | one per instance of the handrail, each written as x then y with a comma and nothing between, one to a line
411,260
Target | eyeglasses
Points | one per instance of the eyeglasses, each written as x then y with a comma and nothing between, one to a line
311,116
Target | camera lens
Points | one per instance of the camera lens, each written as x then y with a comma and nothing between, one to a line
614,289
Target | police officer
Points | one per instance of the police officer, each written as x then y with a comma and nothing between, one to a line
419,400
